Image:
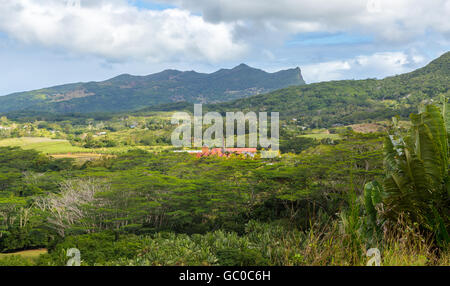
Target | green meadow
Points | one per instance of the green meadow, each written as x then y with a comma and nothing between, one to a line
44,145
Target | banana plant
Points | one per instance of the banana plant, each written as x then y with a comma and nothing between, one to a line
373,203
416,183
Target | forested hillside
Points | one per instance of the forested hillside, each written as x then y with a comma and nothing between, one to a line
127,92
350,101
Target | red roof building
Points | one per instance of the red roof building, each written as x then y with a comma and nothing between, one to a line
226,152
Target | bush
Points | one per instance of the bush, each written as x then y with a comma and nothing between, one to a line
97,248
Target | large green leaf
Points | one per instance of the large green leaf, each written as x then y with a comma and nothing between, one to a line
416,182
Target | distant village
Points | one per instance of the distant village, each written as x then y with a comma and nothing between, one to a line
220,152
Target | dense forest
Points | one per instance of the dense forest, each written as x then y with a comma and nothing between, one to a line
362,165
325,205
224,141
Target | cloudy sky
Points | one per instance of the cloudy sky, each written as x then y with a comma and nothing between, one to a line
50,42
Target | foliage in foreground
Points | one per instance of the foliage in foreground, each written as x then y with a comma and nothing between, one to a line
263,244
416,186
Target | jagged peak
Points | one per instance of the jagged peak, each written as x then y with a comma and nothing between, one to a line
242,66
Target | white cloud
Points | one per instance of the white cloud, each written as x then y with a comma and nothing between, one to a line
214,31
394,21
390,63
325,71
206,35
118,31
368,66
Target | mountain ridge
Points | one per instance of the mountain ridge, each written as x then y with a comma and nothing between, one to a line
344,102
349,101
129,92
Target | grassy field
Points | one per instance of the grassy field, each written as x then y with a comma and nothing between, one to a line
44,145
63,149
34,253
21,258
320,136
26,253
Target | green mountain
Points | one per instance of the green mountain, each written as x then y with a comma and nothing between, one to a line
351,101
127,92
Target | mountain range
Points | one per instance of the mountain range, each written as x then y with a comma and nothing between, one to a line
351,101
127,92
243,88
343,102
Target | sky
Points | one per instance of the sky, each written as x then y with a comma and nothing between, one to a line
50,42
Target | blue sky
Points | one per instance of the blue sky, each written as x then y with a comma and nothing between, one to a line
48,42
150,5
